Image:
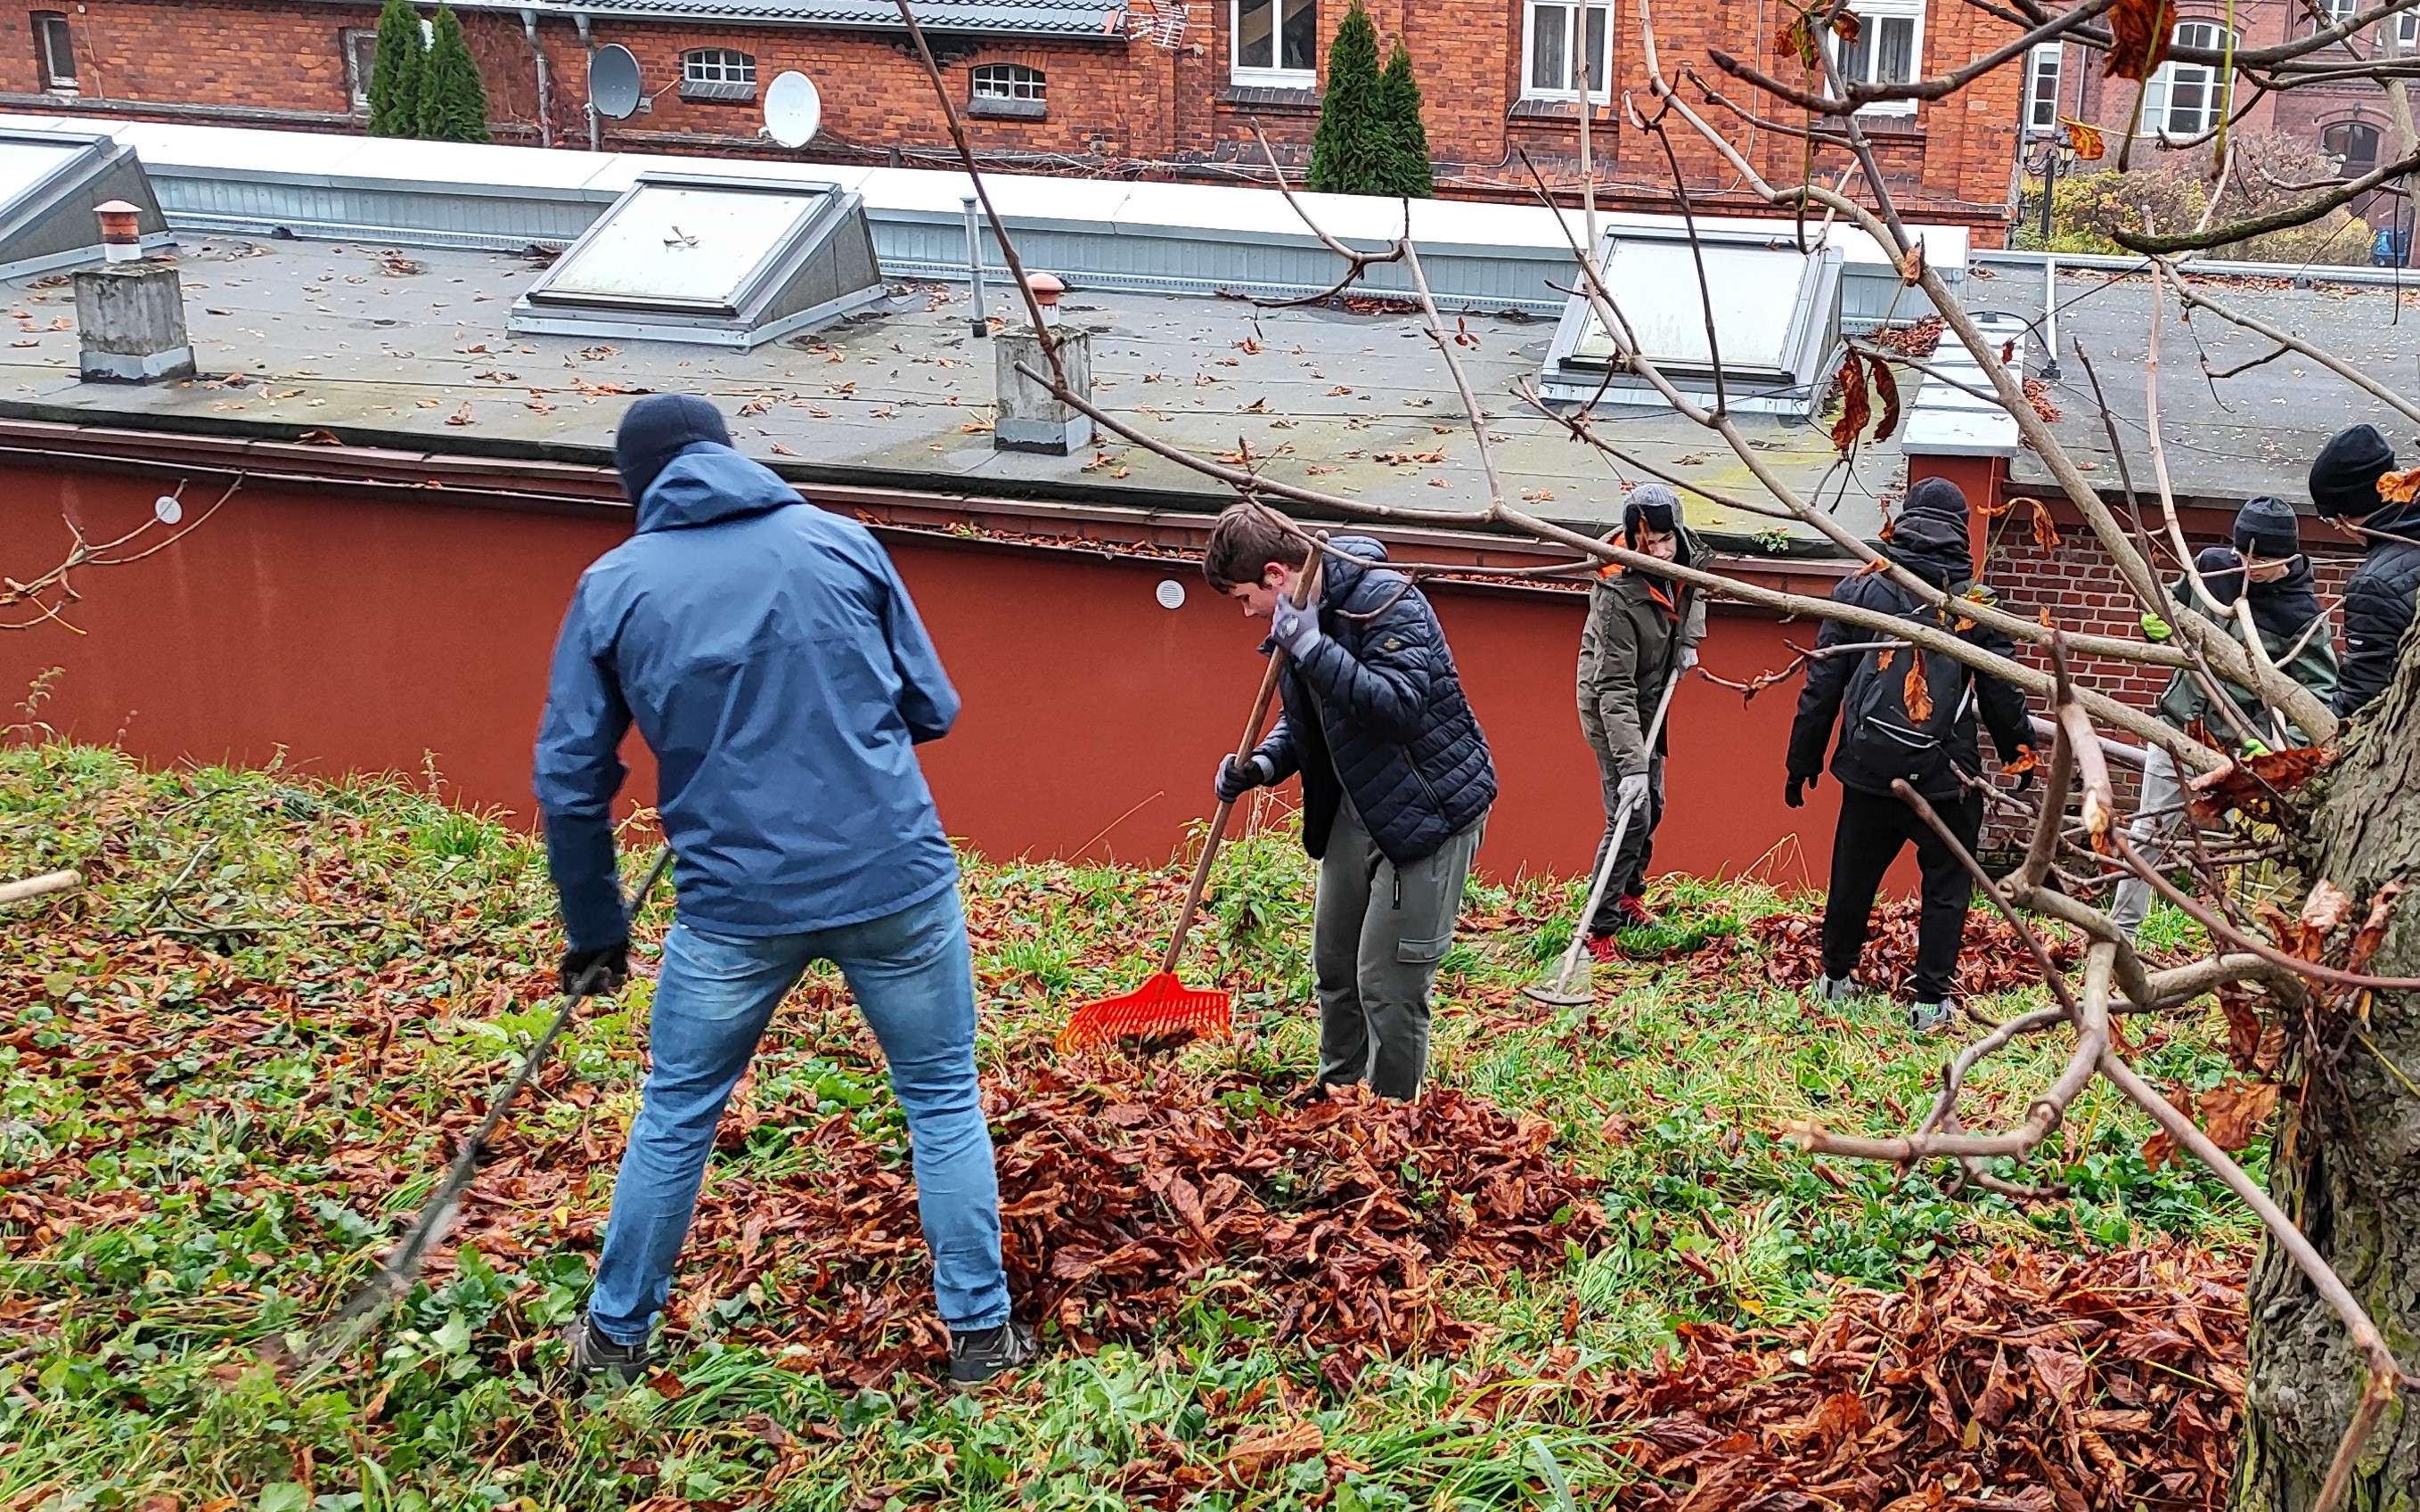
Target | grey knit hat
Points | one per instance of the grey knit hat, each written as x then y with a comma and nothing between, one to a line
1654,504
2266,527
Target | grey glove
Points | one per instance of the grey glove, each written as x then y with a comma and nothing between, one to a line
1234,778
1689,658
1296,629
1632,791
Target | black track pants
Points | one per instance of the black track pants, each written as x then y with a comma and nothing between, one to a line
1873,827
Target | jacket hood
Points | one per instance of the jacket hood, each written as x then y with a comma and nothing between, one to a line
1932,546
1337,579
707,483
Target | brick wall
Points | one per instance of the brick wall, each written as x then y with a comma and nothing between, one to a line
1113,105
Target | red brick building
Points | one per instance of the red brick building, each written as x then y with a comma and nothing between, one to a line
1078,85
2348,120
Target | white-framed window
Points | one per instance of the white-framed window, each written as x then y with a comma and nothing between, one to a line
2407,22
1008,81
360,45
1008,90
2184,100
1555,36
1275,42
718,73
2042,88
1889,49
57,50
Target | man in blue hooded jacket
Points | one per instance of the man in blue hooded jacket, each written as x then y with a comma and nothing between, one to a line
772,661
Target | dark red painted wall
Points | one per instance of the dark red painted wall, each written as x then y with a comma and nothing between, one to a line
359,633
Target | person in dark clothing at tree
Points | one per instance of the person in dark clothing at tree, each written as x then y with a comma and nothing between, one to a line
2378,598
1396,783
1929,742
2266,568
1642,630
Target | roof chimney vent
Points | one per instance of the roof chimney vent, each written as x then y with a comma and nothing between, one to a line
121,235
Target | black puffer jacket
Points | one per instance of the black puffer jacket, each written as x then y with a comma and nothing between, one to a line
1935,552
2378,608
1379,705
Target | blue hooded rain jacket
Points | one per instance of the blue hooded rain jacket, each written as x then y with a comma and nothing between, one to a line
775,666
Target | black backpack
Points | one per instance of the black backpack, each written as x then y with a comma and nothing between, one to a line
1901,706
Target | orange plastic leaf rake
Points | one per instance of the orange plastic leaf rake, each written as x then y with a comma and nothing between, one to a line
1164,1005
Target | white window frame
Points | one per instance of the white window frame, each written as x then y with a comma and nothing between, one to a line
2159,92
1269,75
50,33
2407,22
359,44
2377,150
1574,21
1869,16
718,65
1008,81
2042,106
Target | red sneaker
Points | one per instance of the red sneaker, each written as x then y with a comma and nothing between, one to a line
1633,913
1602,948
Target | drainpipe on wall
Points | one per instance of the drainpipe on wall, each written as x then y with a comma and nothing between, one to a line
545,95
588,47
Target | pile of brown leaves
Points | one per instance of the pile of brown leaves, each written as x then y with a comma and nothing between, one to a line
1789,950
1340,1222
2015,1384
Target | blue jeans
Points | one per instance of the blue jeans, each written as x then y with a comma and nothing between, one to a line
914,982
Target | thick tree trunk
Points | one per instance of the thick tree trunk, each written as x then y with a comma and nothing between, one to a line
2352,1178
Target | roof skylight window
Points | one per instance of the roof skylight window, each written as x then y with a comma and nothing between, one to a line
1777,318
723,262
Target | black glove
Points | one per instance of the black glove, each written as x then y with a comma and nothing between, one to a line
1233,780
1795,794
2026,779
614,957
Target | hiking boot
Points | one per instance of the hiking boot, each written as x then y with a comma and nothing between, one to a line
1932,1018
1631,912
1603,948
1832,990
978,1354
594,1357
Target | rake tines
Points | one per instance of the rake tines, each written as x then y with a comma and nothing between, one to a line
1162,1005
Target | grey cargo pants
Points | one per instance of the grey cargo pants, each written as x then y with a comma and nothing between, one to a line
1378,932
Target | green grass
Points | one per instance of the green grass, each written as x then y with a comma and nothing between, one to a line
352,963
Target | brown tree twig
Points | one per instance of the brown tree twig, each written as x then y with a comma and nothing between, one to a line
1357,263
84,553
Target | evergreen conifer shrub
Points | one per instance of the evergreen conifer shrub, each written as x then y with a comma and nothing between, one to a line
396,71
1409,171
453,101
1349,154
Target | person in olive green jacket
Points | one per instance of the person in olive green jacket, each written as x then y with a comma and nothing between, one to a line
1642,631
2266,570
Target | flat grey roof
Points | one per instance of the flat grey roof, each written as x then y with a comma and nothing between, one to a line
2234,438
410,349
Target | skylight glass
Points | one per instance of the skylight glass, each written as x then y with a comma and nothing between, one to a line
1654,285
680,244
25,166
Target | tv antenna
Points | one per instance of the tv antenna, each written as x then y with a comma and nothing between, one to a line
614,85
793,110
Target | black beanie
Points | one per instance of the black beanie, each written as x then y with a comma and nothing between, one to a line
2345,474
1938,496
2265,527
655,430
1652,503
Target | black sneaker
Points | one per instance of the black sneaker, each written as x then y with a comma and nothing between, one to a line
977,1355
594,1356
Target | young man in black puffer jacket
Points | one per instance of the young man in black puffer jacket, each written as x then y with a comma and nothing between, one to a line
1396,783
1930,540
2377,599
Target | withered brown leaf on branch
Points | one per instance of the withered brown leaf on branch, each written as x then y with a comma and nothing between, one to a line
2253,783
2139,33
1886,389
1917,695
2086,141
1857,405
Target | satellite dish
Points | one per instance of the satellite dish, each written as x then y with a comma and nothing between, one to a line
613,86
794,112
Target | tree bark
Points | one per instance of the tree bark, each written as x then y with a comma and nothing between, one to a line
2350,1173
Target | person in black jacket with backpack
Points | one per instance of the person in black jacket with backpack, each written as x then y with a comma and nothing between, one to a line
1396,783
1897,721
2378,598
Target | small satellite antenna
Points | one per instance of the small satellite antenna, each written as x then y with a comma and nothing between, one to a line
793,111
614,85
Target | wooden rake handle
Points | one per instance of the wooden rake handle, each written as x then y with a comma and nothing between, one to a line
1305,584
